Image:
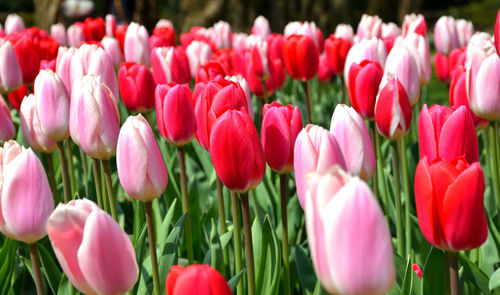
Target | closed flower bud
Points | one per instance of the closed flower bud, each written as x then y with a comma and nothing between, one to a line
136,47
32,130
196,279
136,87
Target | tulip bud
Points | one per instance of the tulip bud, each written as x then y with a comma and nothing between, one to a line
325,73
210,71
301,57
196,279
32,130
136,47
198,53
336,52
369,26
280,127
465,30
94,252
414,24
25,196
94,121
52,105
364,81
136,87
58,32
170,64
94,28
13,23
261,27
274,45
11,76
347,232
110,23
112,48
370,49
419,48
6,126
449,201
140,166
75,34
316,150
441,66
445,34
344,31
222,34
63,65
354,140
175,113
393,110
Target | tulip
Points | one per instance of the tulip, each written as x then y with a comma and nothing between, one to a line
16,97
140,166
441,66
52,105
210,71
344,31
447,133
445,34
222,34
175,113
465,30
401,64
418,46
325,73
280,127
24,47
414,24
94,28
274,45
112,48
368,27
456,58
75,34
110,23
336,52
6,125
198,53
136,87
353,138
363,87
32,130
170,64
163,35
390,32
58,32
449,201
10,70
120,33
164,23
212,99
301,57
94,121
63,65
393,110
316,150
94,252
13,23
76,9
136,46
305,29
196,279
246,89
347,232
370,49
262,71
483,81
261,28
25,197
497,33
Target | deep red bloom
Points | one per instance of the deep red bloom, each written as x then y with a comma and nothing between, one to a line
301,57
364,80
137,87
210,71
16,97
196,279
94,28
336,52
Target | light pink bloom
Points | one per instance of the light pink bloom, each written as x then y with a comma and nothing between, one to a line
261,28
465,30
198,53
11,77
369,26
414,23
58,32
32,130
222,34
75,34
112,48
110,22
419,47
344,31
6,126
63,65
445,35
136,47
13,23
371,49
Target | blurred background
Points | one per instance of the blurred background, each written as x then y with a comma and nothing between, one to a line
241,13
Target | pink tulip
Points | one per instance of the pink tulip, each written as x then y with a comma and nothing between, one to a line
497,33
11,76
13,23
305,29
483,80
32,129
75,34
401,64
344,31
136,47
94,252
414,24
175,113
198,53
92,59
221,35
261,28
316,150
441,66
52,105
350,242
140,166
371,49
419,48
369,26
170,64
6,125
110,22
354,141
58,32
465,30
63,65
94,121
25,197
112,48
445,34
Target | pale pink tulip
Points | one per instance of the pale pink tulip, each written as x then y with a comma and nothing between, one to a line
371,49
222,34
198,53
58,32
344,31
32,129
445,35
63,65
261,28
75,35
112,48
414,23
136,47
6,125
110,22
11,77
419,47
369,26
164,23
94,252
465,30
13,23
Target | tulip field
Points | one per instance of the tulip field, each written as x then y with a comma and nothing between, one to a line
360,161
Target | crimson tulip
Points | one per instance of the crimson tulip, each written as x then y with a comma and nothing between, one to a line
196,279
441,66
137,87
16,97
497,33
94,28
210,71
336,52
301,57
364,81
29,58
369,26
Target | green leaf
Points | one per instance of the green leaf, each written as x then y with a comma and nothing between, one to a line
305,270
268,258
433,274
49,268
495,280
165,225
7,263
64,286
216,250
474,274
233,282
406,288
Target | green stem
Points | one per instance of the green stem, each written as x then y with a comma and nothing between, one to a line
152,246
451,273
494,180
185,205
104,191
83,158
342,87
35,265
247,227
97,180
380,163
406,186
222,217
397,199
284,238
71,168
238,261
109,185
373,130
64,171
52,176
305,84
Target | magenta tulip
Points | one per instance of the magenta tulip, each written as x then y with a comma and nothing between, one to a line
497,33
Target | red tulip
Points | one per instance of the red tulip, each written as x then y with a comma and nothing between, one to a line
442,67
210,71
497,33
236,151
364,80
136,87
447,133
301,57
449,200
162,36
325,73
28,57
94,28
393,110
414,23
280,127
274,45
16,97
336,52
456,58
262,69
196,279
120,32
175,113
